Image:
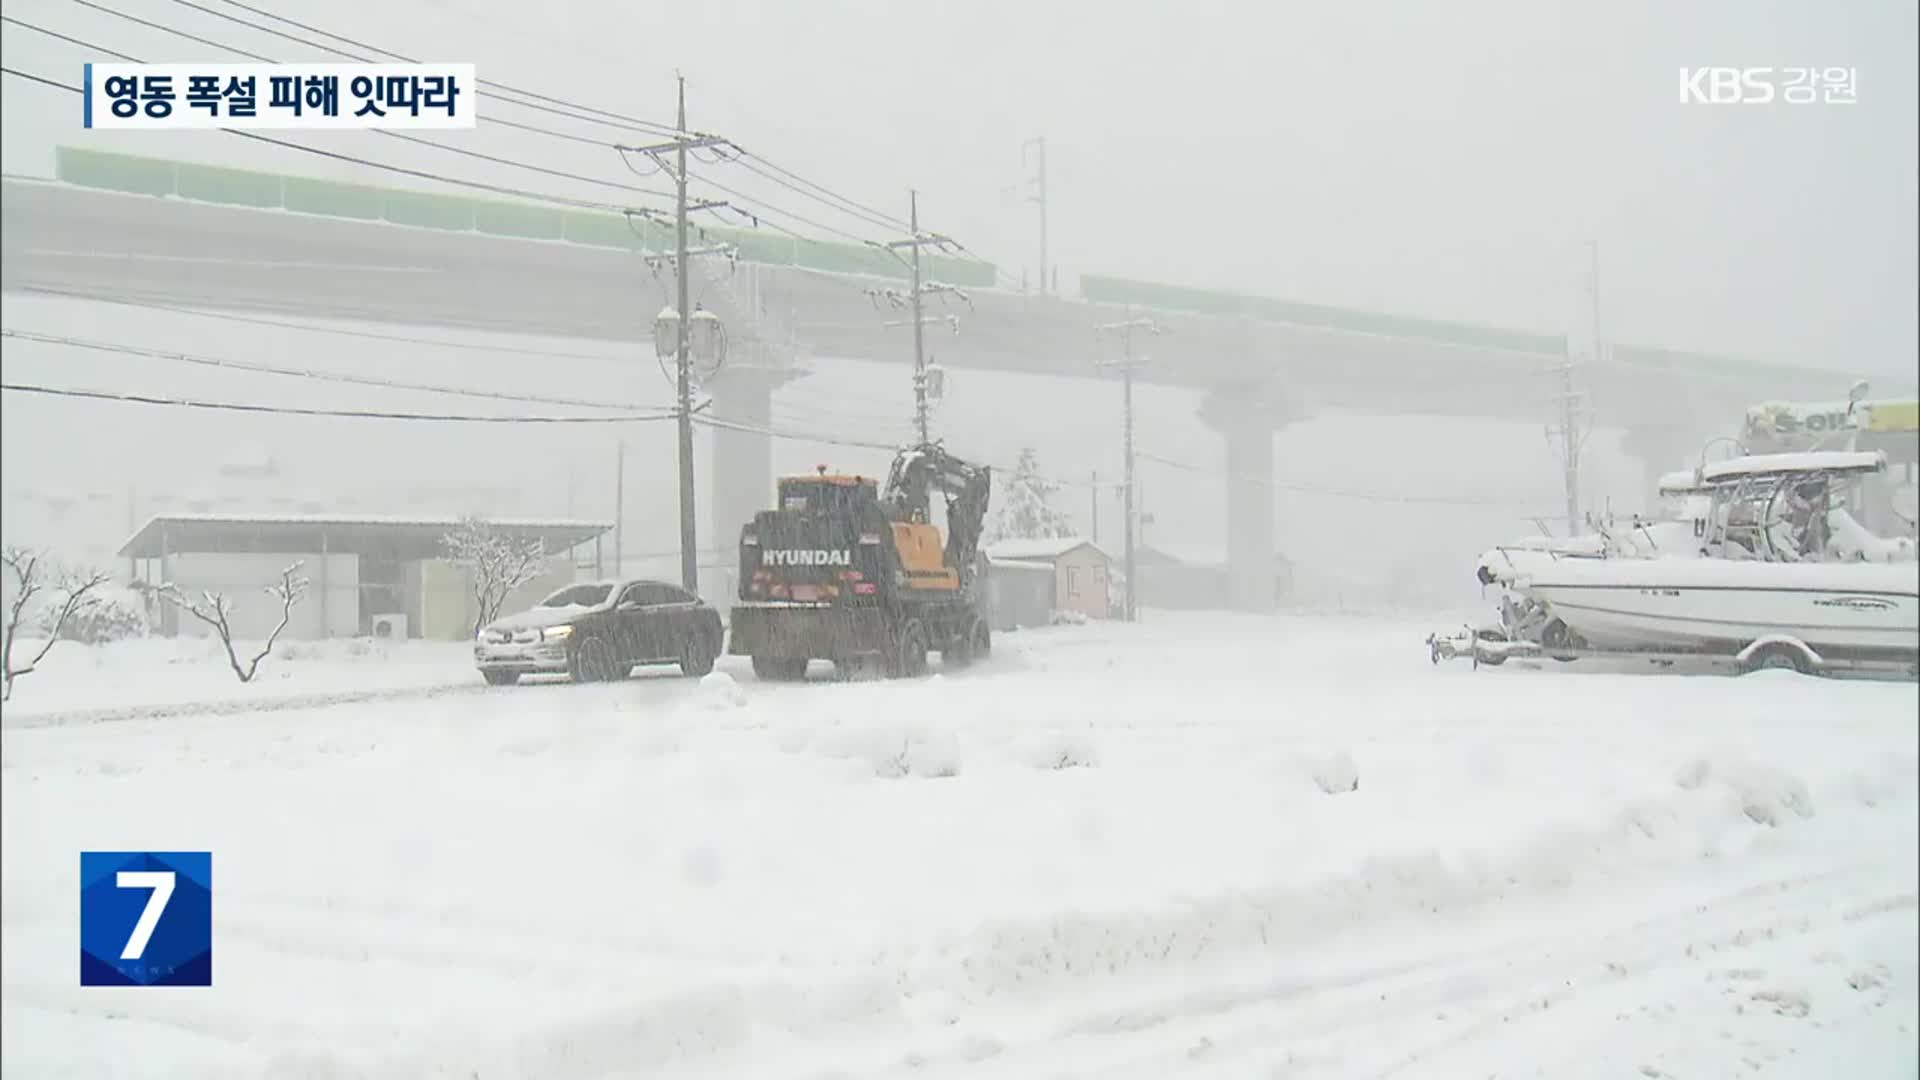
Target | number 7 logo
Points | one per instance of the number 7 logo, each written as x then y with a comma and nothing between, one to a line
161,882
146,918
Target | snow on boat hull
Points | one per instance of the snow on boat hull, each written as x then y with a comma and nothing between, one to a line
1857,609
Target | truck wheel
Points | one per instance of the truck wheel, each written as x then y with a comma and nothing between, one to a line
780,669
593,661
910,651
696,656
970,645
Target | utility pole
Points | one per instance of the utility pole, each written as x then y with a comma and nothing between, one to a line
1129,522
619,503
1093,489
672,156
1574,421
920,288
919,332
1039,147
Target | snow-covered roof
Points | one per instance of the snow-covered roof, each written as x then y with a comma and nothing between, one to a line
1018,564
1806,461
411,536
1043,550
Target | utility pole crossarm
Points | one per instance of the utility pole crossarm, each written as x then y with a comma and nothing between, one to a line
689,141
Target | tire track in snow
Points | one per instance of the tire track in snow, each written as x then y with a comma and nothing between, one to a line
1522,976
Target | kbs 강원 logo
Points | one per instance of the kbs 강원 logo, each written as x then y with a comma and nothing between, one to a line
146,918
1762,85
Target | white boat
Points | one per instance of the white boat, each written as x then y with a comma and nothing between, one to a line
1674,533
1787,573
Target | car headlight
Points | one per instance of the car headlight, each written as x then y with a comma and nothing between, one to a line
557,633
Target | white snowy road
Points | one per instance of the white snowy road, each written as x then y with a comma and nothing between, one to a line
1211,847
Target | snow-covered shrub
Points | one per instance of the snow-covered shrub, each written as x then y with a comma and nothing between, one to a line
718,690
1060,750
1068,618
110,615
1335,774
895,751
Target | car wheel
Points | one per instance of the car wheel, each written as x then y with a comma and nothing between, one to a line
593,661
500,678
696,656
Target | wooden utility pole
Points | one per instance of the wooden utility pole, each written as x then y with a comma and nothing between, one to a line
1129,522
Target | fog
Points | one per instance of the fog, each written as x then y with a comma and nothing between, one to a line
1452,163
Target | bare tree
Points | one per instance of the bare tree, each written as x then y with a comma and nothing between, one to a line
497,564
30,572
214,609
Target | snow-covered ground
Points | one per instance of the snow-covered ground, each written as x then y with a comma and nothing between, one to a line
1206,846
166,675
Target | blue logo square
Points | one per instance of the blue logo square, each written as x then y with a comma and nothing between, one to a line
146,918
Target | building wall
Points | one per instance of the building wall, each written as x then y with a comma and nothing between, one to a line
1019,596
447,606
1080,583
330,608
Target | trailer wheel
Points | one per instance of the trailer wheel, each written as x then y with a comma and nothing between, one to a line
910,651
1778,656
1559,640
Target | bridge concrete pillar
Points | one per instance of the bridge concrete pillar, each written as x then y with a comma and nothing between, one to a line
741,482
1247,415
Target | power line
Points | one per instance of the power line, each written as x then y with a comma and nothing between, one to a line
651,127
287,410
592,114
320,376
401,135
371,335
792,181
498,189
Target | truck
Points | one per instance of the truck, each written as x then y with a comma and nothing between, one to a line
845,570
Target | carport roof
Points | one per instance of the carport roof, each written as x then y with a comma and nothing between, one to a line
402,537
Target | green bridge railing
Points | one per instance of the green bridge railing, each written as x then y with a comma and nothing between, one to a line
135,174
457,213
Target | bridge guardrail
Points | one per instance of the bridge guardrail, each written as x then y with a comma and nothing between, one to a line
139,175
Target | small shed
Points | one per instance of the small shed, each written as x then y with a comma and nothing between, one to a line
1068,574
360,568
1019,593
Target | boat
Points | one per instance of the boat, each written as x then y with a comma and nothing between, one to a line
1673,531
1782,575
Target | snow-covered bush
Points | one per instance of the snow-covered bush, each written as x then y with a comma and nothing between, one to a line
110,615
1060,750
1335,774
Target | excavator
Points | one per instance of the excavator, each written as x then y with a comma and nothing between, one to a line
846,570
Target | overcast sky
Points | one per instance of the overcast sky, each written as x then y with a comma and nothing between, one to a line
1451,160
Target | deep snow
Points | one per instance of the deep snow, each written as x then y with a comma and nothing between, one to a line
1215,846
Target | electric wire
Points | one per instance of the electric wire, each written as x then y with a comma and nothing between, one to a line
304,373
289,410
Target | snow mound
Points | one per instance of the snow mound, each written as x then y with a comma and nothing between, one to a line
1765,795
894,751
718,690
1060,750
1335,773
